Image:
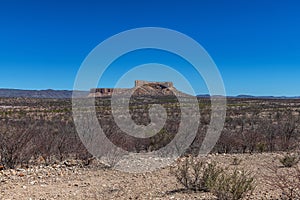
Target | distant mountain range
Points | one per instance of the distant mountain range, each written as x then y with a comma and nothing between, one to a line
243,96
61,94
64,94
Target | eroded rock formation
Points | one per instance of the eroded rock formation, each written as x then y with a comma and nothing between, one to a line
141,88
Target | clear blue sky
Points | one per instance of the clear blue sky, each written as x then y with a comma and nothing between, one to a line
255,43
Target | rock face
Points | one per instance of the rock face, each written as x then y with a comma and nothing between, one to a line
141,88
139,83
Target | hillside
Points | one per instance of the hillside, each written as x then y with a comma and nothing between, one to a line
58,94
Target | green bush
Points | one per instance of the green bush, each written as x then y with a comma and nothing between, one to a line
196,175
261,147
236,161
199,176
234,186
289,160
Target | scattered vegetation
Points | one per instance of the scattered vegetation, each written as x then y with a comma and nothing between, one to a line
286,180
199,176
236,161
234,186
289,160
252,125
44,128
21,143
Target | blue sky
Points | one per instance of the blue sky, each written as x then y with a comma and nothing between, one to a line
254,43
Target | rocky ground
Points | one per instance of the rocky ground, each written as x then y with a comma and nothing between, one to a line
67,180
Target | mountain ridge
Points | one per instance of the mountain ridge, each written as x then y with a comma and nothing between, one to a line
48,93
51,93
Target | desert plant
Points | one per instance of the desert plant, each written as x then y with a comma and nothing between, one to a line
286,180
112,157
289,160
261,147
287,126
15,144
196,175
236,161
234,186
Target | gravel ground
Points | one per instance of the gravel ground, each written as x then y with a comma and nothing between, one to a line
69,181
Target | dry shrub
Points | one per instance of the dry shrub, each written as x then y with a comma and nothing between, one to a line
112,157
236,161
15,144
196,175
289,160
21,142
199,176
286,180
234,186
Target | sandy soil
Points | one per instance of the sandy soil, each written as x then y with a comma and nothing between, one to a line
60,181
